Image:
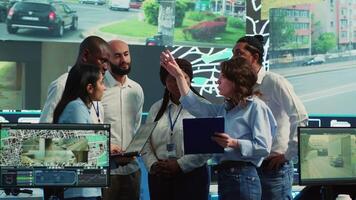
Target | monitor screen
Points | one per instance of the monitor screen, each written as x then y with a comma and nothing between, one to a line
38,155
185,22
332,121
327,155
20,116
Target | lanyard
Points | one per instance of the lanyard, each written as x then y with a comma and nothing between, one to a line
173,123
97,111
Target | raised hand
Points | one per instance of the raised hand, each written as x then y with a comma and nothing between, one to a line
168,62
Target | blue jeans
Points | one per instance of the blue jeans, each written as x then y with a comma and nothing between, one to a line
240,183
277,184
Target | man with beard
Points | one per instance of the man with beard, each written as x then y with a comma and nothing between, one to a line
277,170
122,102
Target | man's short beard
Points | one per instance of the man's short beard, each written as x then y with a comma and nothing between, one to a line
117,70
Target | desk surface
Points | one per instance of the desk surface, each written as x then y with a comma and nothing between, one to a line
36,195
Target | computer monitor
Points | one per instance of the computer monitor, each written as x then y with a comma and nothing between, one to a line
20,116
327,155
332,121
54,155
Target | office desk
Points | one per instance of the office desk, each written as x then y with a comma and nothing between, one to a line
37,194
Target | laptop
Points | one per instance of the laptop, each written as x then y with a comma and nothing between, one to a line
138,141
198,133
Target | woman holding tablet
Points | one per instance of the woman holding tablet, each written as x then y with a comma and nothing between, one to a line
249,126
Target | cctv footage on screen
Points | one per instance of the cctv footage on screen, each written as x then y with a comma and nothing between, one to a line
327,156
73,158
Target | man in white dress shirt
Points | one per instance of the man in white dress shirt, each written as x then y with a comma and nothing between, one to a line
93,50
276,172
122,102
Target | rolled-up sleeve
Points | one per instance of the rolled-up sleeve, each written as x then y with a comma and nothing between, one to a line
263,130
199,108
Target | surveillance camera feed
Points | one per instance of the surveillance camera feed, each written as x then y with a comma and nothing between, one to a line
35,155
327,155
312,43
185,22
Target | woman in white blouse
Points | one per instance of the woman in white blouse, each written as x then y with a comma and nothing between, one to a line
173,175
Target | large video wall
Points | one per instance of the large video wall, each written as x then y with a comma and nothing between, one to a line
311,43
187,22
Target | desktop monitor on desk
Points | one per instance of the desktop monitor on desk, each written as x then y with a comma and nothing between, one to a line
54,155
327,155
332,121
20,116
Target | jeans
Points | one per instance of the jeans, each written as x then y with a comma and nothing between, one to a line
277,184
240,183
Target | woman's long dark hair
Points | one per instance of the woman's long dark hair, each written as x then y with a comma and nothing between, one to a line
186,66
76,86
244,78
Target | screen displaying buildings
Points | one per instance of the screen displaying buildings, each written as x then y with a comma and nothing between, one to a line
35,155
310,43
151,22
54,148
327,155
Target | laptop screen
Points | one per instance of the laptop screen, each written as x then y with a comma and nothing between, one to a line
140,139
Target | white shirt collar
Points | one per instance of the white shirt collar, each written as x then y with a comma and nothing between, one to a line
171,103
112,82
260,75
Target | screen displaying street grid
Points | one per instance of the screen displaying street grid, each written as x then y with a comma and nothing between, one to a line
327,155
48,147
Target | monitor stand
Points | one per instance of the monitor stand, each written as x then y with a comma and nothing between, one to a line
53,193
